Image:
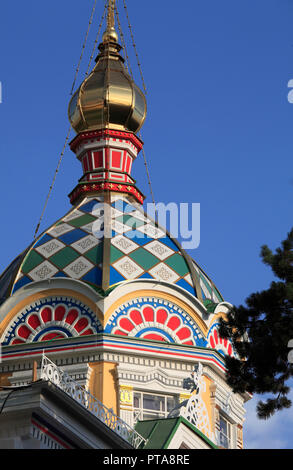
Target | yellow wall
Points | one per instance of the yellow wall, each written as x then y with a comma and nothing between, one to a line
103,384
206,396
4,379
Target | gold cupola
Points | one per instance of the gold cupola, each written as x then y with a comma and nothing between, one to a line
108,98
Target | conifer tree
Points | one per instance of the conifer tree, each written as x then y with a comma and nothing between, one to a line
260,333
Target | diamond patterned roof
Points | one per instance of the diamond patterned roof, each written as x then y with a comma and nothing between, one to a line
75,247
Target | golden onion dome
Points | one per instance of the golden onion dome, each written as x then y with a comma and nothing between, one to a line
108,97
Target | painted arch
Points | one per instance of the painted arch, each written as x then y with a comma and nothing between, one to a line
51,318
155,318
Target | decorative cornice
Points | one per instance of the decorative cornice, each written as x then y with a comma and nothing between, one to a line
82,190
102,347
106,133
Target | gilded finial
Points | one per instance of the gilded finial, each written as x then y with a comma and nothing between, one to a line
110,34
110,17
108,98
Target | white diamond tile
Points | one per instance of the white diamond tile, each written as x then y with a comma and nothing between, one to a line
78,268
188,279
88,227
136,205
44,271
50,248
119,227
162,272
115,213
60,230
128,268
151,231
117,197
159,250
98,232
73,215
86,243
138,215
95,228
98,210
124,244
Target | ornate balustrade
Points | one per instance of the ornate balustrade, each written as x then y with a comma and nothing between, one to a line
50,372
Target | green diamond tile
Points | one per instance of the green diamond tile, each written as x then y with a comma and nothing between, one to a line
33,260
82,220
115,254
178,263
130,221
64,257
145,259
95,254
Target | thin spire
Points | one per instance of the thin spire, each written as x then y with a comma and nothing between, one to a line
110,16
110,34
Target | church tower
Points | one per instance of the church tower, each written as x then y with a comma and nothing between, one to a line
106,311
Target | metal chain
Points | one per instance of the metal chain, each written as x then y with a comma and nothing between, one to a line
69,130
149,179
53,182
108,110
83,46
97,38
123,43
145,90
134,47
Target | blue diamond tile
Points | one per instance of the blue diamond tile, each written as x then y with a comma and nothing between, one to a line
123,206
186,286
22,282
146,276
88,207
168,242
138,237
73,236
45,238
60,274
115,277
94,276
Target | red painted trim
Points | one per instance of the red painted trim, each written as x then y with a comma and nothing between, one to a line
106,133
106,186
98,158
53,436
132,348
116,158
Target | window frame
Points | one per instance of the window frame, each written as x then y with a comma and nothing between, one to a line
141,413
228,435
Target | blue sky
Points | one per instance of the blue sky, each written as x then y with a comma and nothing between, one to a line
218,131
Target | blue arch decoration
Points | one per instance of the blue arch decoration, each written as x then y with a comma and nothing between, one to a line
82,321
133,319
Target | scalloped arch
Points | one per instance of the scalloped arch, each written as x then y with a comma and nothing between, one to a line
51,318
181,301
155,318
18,305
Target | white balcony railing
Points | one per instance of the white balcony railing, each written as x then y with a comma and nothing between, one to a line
50,372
